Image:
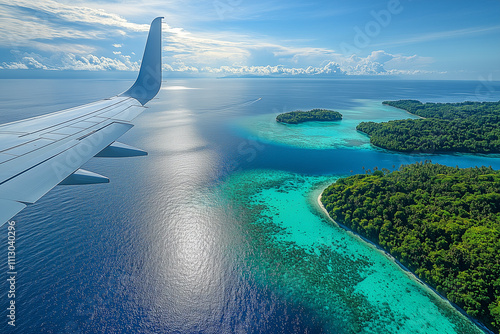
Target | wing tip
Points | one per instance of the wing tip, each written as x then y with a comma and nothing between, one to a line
148,81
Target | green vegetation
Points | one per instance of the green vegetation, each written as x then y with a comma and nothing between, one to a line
441,222
468,127
318,115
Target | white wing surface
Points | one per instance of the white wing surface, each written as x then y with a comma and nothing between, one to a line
39,153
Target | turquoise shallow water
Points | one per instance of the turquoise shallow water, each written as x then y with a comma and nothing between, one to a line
351,283
321,135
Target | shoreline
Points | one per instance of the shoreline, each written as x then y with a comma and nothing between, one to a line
403,110
410,273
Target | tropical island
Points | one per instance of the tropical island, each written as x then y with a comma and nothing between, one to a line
317,115
468,127
441,222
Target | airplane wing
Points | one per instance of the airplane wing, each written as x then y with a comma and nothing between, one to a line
39,153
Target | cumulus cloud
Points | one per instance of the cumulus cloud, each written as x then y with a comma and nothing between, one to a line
14,66
379,56
371,65
95,63
70,61
31,62
331,69
382,63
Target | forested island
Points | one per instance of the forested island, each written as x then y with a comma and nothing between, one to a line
318,115
468,127
441,222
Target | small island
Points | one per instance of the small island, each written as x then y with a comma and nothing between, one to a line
316,115
467,127
442,222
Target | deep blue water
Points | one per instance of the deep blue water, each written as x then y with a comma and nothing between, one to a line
156,251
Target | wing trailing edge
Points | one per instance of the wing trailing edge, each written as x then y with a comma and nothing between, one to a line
9,209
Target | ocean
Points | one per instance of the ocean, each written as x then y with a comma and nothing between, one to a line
218,229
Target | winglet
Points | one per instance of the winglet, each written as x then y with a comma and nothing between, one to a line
148,82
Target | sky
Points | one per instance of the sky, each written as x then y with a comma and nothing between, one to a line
416,39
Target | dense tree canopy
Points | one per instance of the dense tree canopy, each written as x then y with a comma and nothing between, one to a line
321,115
442,222
468,127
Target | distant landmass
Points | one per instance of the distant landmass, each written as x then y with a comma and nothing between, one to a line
442,222
468,127
317,115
